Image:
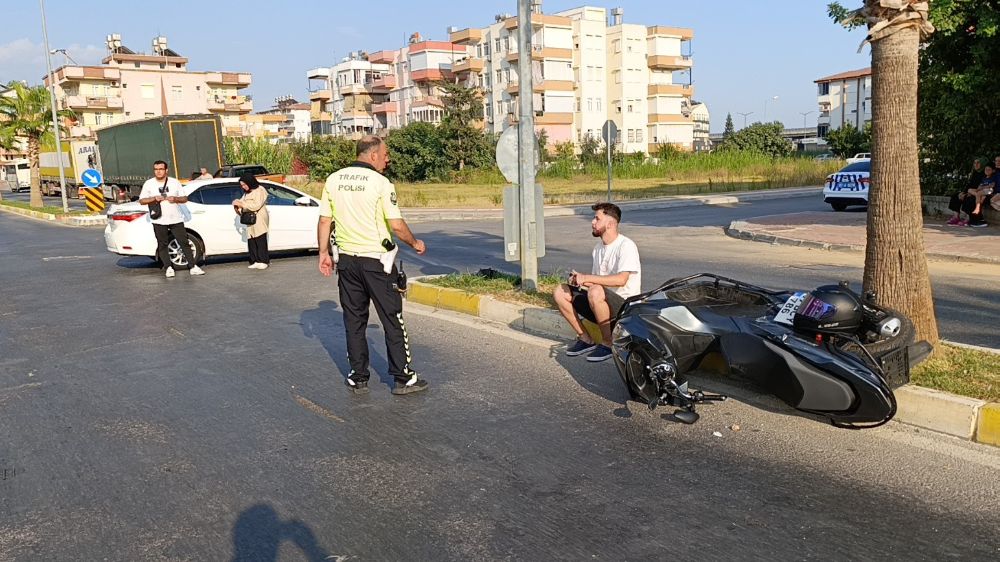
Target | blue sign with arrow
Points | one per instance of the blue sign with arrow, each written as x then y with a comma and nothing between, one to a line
91,178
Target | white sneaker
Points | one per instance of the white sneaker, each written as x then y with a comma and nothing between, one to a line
170,272
197,271
252,266
261,265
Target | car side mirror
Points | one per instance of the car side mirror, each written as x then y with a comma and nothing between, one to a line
303,201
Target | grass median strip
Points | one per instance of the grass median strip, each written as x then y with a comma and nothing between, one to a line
966,372
49,210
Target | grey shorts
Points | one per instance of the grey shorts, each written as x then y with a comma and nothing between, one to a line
582,306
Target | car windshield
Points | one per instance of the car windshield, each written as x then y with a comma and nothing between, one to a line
865,166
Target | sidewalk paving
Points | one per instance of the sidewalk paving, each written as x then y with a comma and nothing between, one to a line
846,232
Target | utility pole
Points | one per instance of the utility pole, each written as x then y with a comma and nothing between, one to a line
55,118
744,117
526,149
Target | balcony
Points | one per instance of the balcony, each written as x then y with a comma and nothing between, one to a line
538,52
670,118
385,83
470,64
382,57
548,118
670,90
321,95
73,73
238,79
539,20
386,107
234,132
466,36
428,101
321,73
429,75
353,89
232,104
77,131
557,85
682,33
667,62
86,102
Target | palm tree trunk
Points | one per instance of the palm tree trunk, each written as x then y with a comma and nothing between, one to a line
895,262
36,180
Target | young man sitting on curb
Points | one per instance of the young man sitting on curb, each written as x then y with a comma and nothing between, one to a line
615,276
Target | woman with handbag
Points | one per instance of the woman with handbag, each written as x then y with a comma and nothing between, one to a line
252,209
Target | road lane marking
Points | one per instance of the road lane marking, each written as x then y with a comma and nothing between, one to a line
53,258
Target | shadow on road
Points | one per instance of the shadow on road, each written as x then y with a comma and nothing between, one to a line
325,324
599,378
259,532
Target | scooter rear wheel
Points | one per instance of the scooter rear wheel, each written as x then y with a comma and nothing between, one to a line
637,377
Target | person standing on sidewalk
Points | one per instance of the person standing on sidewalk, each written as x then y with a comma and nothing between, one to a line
615,276
254,200
361,202
164,196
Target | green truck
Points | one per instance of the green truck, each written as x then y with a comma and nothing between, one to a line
185,142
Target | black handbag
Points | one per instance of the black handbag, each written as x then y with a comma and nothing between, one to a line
155,209
248,218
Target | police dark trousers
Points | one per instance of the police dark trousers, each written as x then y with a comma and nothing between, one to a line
362,280
163,233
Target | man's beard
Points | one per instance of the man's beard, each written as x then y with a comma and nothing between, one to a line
597,233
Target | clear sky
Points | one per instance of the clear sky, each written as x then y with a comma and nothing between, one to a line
744,52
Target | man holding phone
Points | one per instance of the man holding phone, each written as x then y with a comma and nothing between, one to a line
615,276
164,195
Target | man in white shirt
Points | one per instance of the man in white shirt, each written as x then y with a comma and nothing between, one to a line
615,276
164,196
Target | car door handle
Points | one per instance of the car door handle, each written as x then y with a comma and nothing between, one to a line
197,212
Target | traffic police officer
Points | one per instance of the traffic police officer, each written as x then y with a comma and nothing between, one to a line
361,204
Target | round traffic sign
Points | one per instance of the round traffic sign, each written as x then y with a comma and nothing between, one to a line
507,158
91,178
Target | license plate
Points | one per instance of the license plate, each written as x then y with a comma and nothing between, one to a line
787,313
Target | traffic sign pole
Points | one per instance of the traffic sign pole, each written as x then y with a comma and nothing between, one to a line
527,147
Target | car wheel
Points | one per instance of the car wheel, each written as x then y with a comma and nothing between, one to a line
177,258
839,206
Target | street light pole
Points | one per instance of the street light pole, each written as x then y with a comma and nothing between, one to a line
804,114
526,147
744,117
775,98
55,118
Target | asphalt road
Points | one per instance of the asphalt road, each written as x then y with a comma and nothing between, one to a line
51,201
206,419
683,241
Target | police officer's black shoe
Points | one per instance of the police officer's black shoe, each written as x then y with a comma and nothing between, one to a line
356,385
413,385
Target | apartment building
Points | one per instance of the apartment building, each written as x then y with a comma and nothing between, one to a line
844,98
287,121
702,120
585,71
128,86
369,93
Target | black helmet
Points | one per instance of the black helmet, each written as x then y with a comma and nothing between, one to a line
829,309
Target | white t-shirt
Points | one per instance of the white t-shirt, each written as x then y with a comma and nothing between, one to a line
171,211
616,257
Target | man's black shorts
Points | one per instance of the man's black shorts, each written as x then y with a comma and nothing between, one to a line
582,306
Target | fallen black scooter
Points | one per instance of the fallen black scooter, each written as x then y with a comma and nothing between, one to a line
828,352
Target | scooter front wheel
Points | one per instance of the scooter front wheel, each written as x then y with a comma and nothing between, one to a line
637,377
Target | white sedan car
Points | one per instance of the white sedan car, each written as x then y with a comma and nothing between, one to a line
213,227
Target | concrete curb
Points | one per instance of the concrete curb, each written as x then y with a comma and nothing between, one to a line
71,220
416,214
958,416
744,230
